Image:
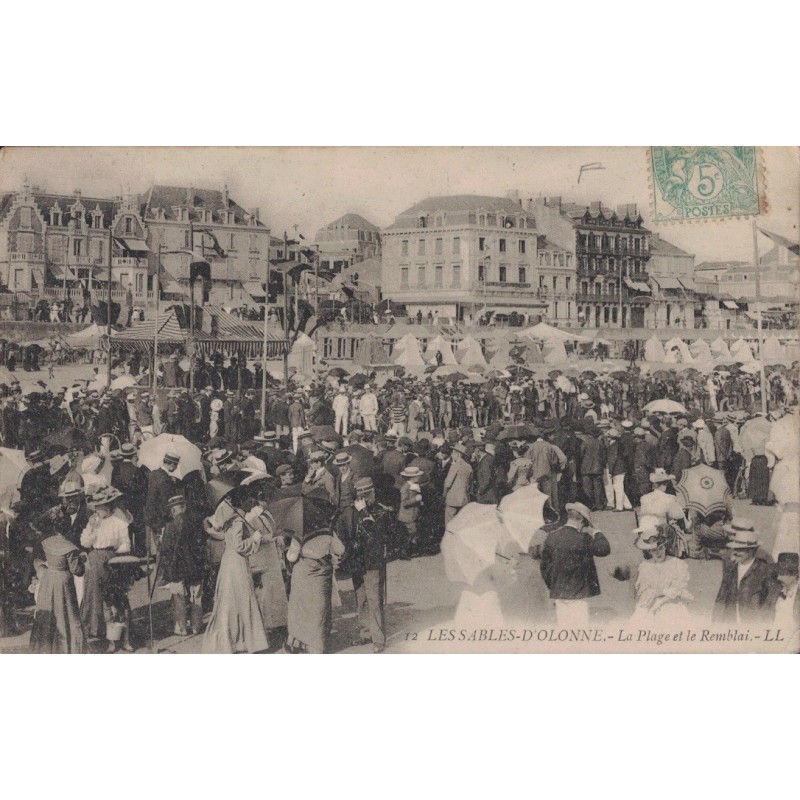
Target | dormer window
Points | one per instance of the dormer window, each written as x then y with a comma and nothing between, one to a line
55,216
422,222
128,225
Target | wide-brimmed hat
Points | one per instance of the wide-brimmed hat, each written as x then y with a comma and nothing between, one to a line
128,450
342,459
699,424
266,436
626,423
458,447
171,457
687,435
412,472
637,431
648,539
116,455
103,496
72,487
317,455
660,475
283,469
217,404
221,456
581,509
740,525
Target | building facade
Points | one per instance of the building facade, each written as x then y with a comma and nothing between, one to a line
59,246
610,251
346,241
235,241
672,282
466,257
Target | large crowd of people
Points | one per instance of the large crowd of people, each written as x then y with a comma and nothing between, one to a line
345,475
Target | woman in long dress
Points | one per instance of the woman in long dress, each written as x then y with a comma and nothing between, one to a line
105,536
57,624
236,625
662,584
310,598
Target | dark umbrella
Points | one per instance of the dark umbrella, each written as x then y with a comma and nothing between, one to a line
69,439
553,374
619,375
321,433
431,368
589,374
302,516
358,380
522,431
453,377
338,372
518,369
662,375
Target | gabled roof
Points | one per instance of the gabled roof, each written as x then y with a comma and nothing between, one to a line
459,203
351,220
662,247
716,265
169,197
45,201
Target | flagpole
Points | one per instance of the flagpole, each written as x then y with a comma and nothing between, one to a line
758,321
157,293
108,311
264,350
286,309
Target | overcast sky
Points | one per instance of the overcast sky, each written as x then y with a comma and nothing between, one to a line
310,187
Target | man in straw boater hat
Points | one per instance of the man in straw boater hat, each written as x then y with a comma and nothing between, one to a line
368,564
749,586
568,568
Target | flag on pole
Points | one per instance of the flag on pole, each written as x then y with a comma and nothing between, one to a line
782,241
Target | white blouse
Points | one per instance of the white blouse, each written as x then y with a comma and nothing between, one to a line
104,533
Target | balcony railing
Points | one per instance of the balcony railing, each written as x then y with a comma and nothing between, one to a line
127,261
479,286
37,258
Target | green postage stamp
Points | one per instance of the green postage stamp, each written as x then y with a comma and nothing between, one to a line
704,183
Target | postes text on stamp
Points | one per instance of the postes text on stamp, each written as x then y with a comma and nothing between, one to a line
704,183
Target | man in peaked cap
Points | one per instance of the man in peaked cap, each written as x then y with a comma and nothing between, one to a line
130,479
368,564
162,484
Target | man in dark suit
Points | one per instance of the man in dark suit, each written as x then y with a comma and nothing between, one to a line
568,568
162,484
131,481
749,585
485,478
593,462
363,461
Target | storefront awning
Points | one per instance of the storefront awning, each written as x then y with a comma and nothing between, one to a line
637,286
729,304
58,271
669,283
688,284
134,245
254,289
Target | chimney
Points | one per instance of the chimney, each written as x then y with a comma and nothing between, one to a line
595,207
190,196
553,202
225,196
256,213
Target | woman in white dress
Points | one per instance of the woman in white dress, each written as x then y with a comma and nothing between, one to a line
662,584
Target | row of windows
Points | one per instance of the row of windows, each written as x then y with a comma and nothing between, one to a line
624,244
438,277
555,259
438,246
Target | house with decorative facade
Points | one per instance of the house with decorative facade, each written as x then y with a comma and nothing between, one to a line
607,252
672,282
465,256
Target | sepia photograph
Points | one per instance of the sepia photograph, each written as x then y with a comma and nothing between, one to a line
527,400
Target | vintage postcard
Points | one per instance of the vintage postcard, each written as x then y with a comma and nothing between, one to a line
399,400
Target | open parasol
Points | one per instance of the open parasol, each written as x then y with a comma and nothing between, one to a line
664,406
703,489
123,382
522,513
151,454
470,542
302,516
13,465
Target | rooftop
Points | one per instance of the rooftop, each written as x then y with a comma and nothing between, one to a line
662,247
213,200
459,203
351,220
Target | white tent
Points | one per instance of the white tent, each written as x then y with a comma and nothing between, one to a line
440,345
473,355
700,350
301,356
409,340
409,356
88,337
548,334
555,352
773,350
683,355
719,349
740,350
653,350
466,343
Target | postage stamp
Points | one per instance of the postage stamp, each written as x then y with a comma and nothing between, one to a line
704,183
